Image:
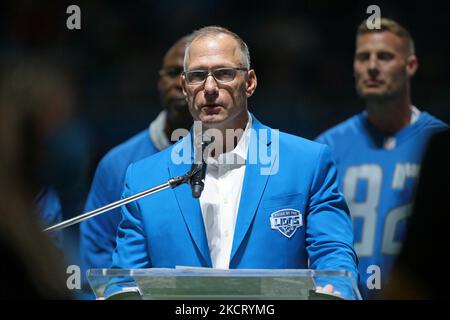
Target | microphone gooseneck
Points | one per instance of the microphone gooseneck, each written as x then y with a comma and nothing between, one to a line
195,177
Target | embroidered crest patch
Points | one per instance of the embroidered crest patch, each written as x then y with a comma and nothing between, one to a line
287,221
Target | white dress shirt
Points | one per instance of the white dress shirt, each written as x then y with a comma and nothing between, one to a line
220,199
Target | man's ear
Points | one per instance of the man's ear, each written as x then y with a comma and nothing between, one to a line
183,85
412,63
251,83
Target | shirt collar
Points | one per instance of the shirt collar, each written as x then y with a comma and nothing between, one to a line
240,151
156,131
415,114
242,146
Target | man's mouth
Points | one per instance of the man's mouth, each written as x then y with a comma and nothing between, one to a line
373,83
211,108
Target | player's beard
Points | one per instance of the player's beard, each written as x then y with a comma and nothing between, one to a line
391,92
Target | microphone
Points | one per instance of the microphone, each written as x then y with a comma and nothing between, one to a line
197,180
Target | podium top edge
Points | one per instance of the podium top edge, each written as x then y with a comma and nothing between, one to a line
187,271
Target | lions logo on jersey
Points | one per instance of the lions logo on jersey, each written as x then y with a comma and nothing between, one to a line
287,221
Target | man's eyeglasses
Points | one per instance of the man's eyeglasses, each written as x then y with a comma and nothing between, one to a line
172,72
221,75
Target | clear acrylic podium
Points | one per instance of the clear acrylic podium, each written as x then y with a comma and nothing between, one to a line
213,284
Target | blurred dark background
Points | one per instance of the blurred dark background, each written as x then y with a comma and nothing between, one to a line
302,52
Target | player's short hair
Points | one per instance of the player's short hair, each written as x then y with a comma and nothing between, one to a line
212,31
391,26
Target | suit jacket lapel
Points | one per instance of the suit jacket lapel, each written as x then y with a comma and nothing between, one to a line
252,189
188,205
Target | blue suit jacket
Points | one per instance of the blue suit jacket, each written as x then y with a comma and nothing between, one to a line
166,229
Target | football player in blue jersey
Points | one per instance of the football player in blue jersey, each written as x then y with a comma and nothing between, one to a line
98,235
378,152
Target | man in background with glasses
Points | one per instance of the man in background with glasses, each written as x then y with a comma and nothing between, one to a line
291,218
98,235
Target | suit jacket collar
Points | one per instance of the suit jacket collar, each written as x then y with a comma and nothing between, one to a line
252,190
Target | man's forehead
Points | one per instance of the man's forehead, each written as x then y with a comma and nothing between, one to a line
220,45
384,40
214,40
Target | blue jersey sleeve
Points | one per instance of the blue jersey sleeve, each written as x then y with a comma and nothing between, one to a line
50,213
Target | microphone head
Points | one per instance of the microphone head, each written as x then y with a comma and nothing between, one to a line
197,180
197,190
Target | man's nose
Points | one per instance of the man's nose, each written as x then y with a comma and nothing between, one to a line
373,66
373,63
210,85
